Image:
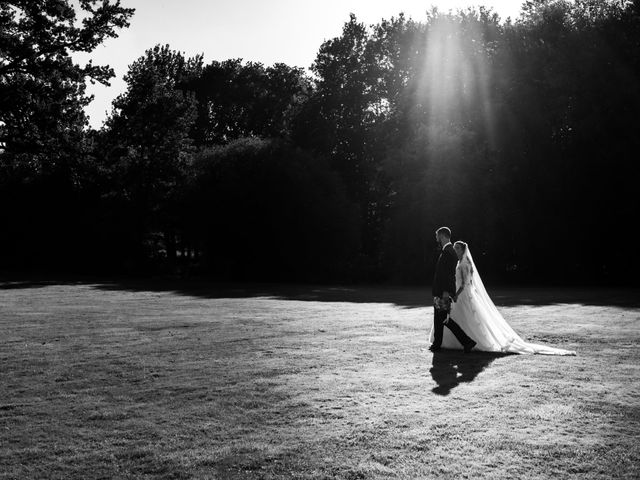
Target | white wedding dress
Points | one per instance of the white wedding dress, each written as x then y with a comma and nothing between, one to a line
476,314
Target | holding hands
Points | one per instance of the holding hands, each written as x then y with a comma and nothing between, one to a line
442,303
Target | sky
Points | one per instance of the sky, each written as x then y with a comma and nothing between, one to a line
267,31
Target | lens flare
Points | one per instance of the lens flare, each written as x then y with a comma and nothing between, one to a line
454,87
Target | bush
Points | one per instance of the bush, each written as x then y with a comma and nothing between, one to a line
265,210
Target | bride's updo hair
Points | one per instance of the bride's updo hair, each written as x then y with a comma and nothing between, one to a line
461,244
464,247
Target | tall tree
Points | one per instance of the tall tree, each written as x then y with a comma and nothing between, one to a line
147,145
42,123
341,120
42,90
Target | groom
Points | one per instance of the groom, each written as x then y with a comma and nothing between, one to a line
444,286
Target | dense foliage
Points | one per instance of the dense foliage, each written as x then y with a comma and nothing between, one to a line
522,136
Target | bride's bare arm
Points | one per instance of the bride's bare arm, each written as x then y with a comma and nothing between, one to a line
455,297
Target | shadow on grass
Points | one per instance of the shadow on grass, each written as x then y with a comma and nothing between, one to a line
450,368
24,284
405,297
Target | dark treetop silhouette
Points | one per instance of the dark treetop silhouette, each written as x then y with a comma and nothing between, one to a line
242,171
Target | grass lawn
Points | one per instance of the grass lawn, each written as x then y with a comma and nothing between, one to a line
114,380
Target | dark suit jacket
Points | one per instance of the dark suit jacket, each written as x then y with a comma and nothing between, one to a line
444,279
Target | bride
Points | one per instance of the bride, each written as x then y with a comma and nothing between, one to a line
474,311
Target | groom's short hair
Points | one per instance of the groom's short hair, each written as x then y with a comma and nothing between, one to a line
446,231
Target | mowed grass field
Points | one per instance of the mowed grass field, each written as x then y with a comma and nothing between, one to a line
114,380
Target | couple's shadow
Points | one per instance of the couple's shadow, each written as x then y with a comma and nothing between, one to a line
450,368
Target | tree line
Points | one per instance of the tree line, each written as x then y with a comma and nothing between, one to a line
521,135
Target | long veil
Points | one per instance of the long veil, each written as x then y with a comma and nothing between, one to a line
498,327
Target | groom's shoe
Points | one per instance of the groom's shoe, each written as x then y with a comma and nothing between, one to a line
469,346
434,348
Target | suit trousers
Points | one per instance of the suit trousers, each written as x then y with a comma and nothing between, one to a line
439,316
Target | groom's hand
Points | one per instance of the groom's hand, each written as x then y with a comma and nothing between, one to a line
445,295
